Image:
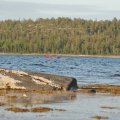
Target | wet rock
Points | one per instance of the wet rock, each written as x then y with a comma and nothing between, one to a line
109,107
86,91
60,110
2,104
41,109
56,81
16,109
11,96
100,117
92,90
103,88
14,79
116,75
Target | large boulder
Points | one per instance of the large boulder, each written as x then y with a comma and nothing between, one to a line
14,79
66,83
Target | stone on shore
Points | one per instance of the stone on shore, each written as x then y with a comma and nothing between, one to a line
102,88
26,80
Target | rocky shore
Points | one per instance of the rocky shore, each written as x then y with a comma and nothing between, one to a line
41,82
25,91
25,80
103,88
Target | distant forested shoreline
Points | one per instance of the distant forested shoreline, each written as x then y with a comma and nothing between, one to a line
60,36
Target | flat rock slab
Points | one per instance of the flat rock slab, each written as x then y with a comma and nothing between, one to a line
14,79
102,88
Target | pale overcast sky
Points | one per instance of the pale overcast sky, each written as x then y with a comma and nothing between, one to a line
87,9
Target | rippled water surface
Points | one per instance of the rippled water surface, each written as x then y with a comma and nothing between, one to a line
85,69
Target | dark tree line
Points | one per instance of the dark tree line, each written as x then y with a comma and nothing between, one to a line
61,35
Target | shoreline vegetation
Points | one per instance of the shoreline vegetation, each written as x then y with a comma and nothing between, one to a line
60,36
70,55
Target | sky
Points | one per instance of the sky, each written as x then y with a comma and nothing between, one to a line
33,9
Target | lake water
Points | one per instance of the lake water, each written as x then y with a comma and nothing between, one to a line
86,70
